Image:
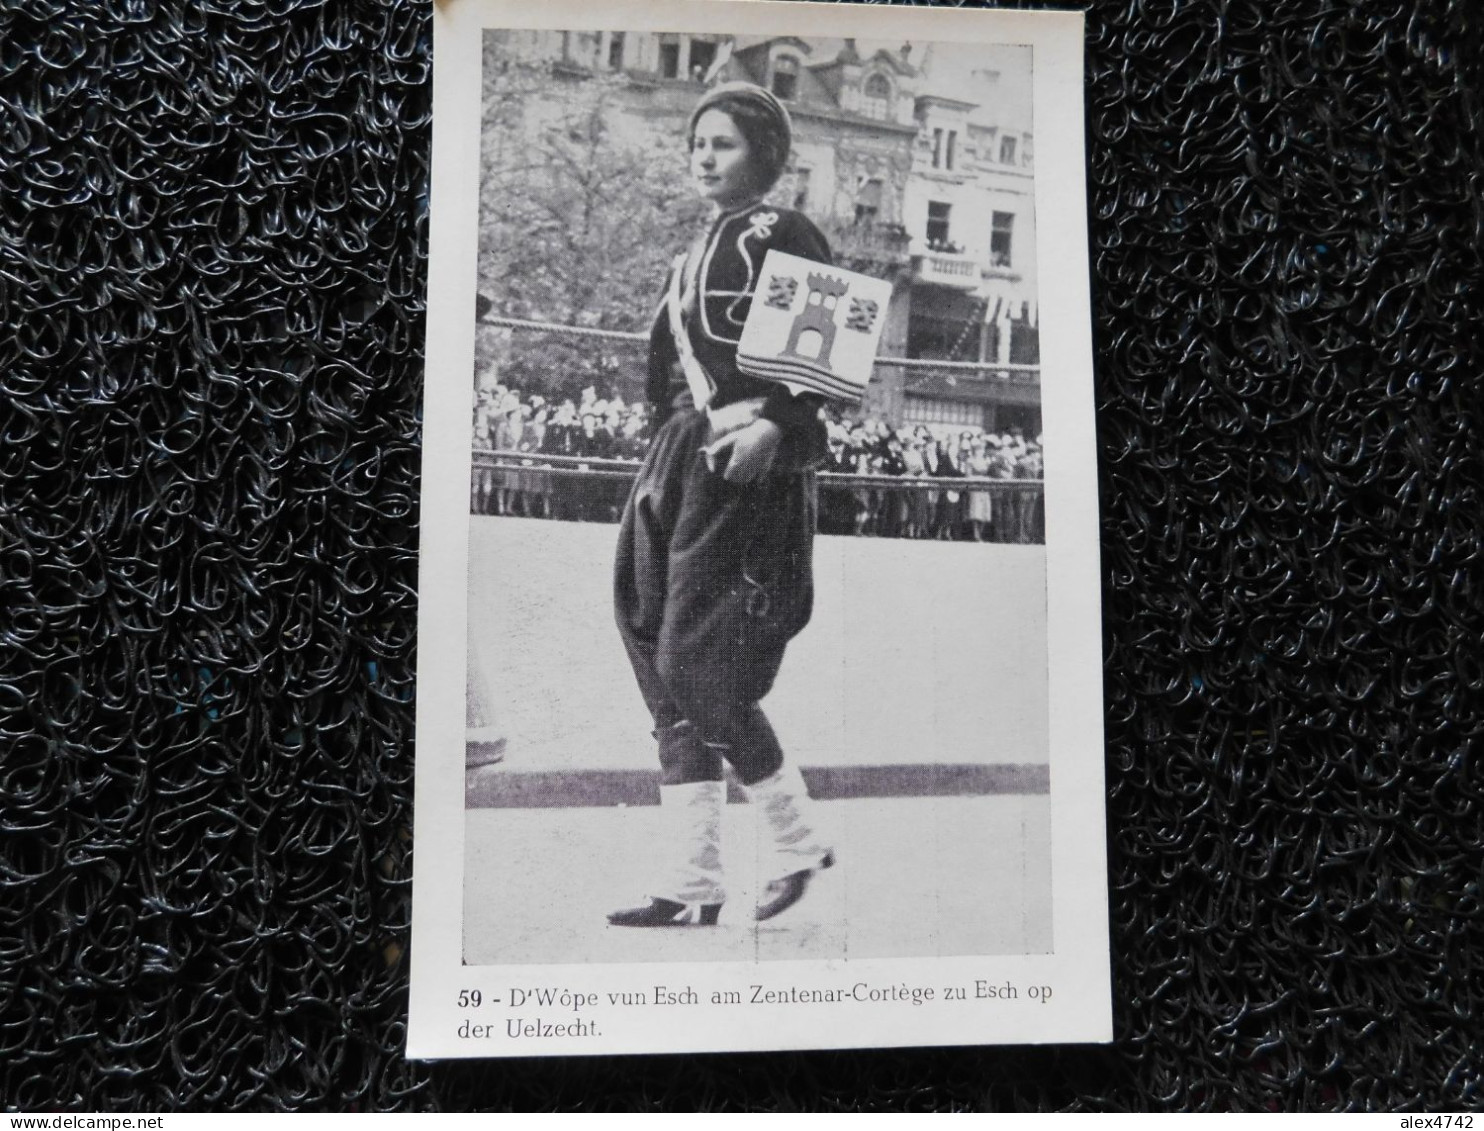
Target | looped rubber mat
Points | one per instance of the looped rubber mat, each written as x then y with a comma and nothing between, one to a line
213,222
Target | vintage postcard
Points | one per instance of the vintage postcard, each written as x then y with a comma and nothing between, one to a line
759,698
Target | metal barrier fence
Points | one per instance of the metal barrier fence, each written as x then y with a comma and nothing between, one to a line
1013,373
583,489
594,490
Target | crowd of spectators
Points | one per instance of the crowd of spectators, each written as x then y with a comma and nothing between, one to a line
590,427
872,447
598,428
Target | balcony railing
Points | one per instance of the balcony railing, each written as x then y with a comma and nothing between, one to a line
946,269
1000,268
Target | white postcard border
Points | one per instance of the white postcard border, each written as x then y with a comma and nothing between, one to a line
1079,1007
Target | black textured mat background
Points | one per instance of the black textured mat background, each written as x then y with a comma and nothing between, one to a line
212,272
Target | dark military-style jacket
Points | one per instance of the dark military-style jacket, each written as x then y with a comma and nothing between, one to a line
722,270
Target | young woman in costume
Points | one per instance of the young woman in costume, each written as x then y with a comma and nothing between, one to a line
714,568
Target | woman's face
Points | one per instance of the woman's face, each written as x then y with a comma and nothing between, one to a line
721,160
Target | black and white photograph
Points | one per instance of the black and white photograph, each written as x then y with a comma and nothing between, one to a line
748,325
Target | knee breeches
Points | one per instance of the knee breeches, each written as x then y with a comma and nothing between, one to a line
712,580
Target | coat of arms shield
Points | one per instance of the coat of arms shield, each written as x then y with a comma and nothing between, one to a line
813,327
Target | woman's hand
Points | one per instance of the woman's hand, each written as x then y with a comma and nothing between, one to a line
746,454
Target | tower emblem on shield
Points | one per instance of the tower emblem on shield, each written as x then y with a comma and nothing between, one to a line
815,329
817,318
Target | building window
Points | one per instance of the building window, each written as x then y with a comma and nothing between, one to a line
1001,230
702,55
1027,156
937,225
615,51
876,99
670,59
1007,151
868,202
786,77
801,189
945,145
930,410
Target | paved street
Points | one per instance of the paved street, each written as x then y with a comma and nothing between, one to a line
916,877
920,655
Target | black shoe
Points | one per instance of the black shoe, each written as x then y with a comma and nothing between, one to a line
667,913
782,894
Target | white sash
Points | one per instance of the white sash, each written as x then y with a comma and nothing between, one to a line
702,388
